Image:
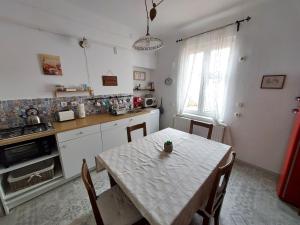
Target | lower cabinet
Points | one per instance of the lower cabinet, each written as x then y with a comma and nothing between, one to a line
153,121
72,151
88,142
114,133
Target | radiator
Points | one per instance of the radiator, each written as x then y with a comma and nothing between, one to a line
183,124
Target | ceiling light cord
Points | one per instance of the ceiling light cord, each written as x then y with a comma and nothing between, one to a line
87,67
147,34
159,3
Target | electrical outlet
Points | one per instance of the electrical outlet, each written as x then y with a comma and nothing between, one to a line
63,104
74,103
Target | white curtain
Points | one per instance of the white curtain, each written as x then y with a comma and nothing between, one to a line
216,49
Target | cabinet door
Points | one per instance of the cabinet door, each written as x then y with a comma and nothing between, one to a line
136,134
154,121
72,152
114,136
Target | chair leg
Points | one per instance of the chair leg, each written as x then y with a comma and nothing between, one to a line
206,221
206,218
217,216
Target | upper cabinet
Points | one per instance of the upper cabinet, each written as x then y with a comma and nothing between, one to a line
145,59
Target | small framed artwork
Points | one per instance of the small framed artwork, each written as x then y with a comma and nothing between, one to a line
110,80
139,75
272,81
50,64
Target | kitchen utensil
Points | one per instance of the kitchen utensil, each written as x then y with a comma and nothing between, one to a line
161,108
32,116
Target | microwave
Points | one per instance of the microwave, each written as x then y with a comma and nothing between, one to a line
150,102
15,153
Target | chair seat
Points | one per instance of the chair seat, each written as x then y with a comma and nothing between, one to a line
116,208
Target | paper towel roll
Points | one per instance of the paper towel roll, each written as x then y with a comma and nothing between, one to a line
81,110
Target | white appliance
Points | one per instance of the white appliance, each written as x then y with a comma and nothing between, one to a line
149,102
65,115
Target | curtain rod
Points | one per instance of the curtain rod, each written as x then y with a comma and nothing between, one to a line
237,23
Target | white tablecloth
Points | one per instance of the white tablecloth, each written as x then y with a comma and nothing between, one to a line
167,188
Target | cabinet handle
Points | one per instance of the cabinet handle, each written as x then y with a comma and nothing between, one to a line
79,133
63,146
131,120
115,124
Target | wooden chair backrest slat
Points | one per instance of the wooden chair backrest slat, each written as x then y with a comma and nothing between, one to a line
218,191
202,124
136,127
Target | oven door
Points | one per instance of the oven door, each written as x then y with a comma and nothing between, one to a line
17,153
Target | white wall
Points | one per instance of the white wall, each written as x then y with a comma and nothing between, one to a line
30,28
271,43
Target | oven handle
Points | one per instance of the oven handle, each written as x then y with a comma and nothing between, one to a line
22,145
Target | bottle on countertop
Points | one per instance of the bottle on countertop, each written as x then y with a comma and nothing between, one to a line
81,110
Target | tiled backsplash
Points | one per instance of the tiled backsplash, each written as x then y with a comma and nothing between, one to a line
13,111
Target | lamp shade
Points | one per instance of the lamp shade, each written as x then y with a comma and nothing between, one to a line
148,43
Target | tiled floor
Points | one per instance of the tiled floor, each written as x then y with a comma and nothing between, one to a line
250,200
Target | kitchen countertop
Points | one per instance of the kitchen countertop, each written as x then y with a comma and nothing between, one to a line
93,120
73,124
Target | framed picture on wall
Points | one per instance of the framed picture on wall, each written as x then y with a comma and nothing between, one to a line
273,82
50,64
139,75
109,80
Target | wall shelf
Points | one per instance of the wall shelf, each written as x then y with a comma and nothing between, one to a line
146,89
57,92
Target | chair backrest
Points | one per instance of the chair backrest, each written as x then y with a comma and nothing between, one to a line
88,183
136,127
218,190
202,124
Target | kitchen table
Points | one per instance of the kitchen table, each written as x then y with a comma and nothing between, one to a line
167,188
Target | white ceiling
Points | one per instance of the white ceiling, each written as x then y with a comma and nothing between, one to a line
172,14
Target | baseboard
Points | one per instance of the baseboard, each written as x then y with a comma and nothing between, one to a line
258,167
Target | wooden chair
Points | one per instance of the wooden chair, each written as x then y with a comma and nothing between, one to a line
136,127
112,206
202,124
215,201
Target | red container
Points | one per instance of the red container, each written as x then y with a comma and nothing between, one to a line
137,102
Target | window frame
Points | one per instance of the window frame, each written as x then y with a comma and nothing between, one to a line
200,111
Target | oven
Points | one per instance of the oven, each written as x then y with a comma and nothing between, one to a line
14,153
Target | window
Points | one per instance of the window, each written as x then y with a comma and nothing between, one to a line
208,82
203,75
